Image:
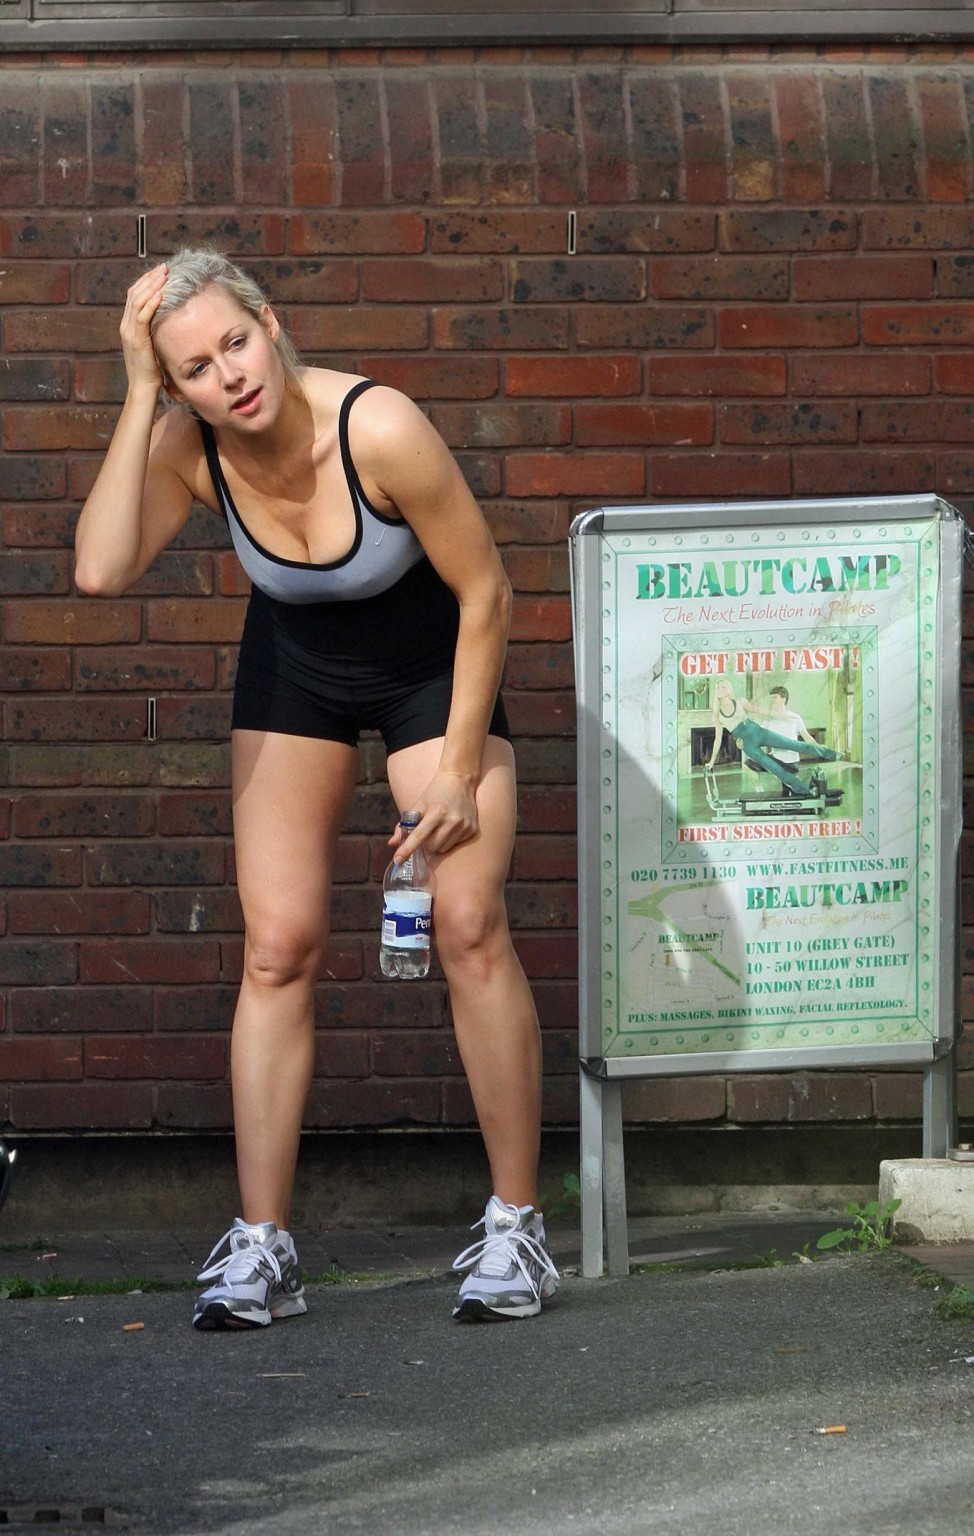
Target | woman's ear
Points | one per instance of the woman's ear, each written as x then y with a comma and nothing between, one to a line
270,322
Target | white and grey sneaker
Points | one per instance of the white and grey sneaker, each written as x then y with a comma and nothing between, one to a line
257,1279
511,1272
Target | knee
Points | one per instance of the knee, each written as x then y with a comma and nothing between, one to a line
276,957
471,935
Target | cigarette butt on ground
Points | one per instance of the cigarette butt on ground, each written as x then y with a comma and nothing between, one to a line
132,1327
830,1429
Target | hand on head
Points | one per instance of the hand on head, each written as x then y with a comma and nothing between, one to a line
141,303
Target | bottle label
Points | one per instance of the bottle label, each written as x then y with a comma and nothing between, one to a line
407,919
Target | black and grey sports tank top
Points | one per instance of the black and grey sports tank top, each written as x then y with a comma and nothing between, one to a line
383,548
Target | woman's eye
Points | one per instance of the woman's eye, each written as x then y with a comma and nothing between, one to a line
237,341
194,373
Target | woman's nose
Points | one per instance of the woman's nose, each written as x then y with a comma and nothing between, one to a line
230,372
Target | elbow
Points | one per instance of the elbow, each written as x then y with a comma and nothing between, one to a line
95,583
87,582
488,606
504,601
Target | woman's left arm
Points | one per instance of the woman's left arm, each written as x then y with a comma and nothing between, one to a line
402,455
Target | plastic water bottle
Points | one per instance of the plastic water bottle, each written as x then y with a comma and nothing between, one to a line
407,913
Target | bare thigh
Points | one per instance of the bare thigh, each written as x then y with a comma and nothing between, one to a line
290,795
476,869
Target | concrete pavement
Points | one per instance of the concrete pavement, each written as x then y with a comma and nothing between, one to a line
680,1398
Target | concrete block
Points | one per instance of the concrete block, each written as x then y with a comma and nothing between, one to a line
937,1198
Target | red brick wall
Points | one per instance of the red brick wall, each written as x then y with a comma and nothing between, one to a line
773,294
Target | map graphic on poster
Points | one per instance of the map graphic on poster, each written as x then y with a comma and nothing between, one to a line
768,772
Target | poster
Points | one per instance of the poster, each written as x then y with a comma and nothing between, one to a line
768,772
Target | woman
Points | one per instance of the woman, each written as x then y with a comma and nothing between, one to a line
736,717
378,600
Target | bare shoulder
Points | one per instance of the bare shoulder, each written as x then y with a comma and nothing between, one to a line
386,427
326,388
387,412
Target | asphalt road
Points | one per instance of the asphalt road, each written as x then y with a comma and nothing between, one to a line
666,1403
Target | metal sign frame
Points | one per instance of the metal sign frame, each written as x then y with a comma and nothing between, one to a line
611,546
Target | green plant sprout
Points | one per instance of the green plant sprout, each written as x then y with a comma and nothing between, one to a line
20,1288
870,1230
568,1203
958,1303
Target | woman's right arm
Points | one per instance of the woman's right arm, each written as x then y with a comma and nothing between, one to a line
718,738
139,501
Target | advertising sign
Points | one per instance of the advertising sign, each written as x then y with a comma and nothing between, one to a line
770,764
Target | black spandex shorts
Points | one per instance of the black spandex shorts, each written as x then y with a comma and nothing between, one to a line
290,681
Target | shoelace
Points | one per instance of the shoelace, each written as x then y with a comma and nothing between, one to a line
496,1251
241,1260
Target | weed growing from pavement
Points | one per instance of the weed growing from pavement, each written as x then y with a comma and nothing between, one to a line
957,1300
870,1229
801,1255
957,1303
336,1276
773,1260
19,1288
929,1280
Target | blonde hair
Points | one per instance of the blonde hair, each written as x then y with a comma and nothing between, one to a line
194,268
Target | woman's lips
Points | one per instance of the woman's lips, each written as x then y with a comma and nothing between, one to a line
247,404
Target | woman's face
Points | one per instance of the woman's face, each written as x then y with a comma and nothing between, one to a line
723,689
222,362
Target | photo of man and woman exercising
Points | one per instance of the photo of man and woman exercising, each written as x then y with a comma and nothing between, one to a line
769,737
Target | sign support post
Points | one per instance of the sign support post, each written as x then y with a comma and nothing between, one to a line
939,1105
